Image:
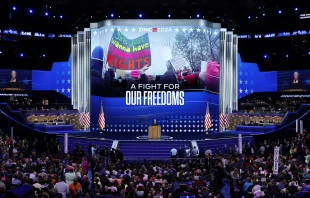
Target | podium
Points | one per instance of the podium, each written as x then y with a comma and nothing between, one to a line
154,132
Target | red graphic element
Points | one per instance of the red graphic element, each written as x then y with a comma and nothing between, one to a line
212,78
154,29
110,58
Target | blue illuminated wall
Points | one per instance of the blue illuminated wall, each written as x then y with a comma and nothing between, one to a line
187,118
58,79
252,80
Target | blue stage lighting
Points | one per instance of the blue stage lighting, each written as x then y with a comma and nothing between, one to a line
140,15
280,12
21,55
14,8
296,9
169,15
265,56
249,17
61,16
43,55
286,55
46,13
263,14
112,15
0,52
309,53
30,11
198,15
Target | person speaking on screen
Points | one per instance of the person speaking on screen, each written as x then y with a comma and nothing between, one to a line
296,84
13,83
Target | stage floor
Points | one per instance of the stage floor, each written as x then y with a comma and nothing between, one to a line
173,136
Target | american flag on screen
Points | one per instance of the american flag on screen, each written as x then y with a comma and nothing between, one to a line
101,120
82,116
208,121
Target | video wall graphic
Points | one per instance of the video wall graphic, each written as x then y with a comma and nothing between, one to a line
123,56
294,79
10,78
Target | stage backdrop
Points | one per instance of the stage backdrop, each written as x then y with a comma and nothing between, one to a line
186,118
252,80
58,79
122,56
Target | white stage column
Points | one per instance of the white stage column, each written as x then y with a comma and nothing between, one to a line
66,143
12,133
301,126
235,73
276,160
229,72
240,143
297,126
80,69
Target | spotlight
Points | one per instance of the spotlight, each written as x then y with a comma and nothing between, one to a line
21,55
14,8
264,14
169,15
296,9
265,56
286,55
0,52
61,16
249,17
309,53
46,13
280,12
140,15
30,11
112,15
43,55
198,16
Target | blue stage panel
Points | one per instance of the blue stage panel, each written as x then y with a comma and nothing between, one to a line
54,128
255,129
250,79
58,79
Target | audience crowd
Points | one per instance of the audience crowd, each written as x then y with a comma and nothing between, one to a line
105,172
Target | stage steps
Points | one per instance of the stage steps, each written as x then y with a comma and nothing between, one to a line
141,149
230,142
16,115
72,140
292,116
161,149
150,149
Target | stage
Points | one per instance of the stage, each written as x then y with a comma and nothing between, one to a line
136,136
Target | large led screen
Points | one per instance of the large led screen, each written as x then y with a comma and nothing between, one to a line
294,80
15,79
125,56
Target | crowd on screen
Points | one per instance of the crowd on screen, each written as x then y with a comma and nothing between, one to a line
29,162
